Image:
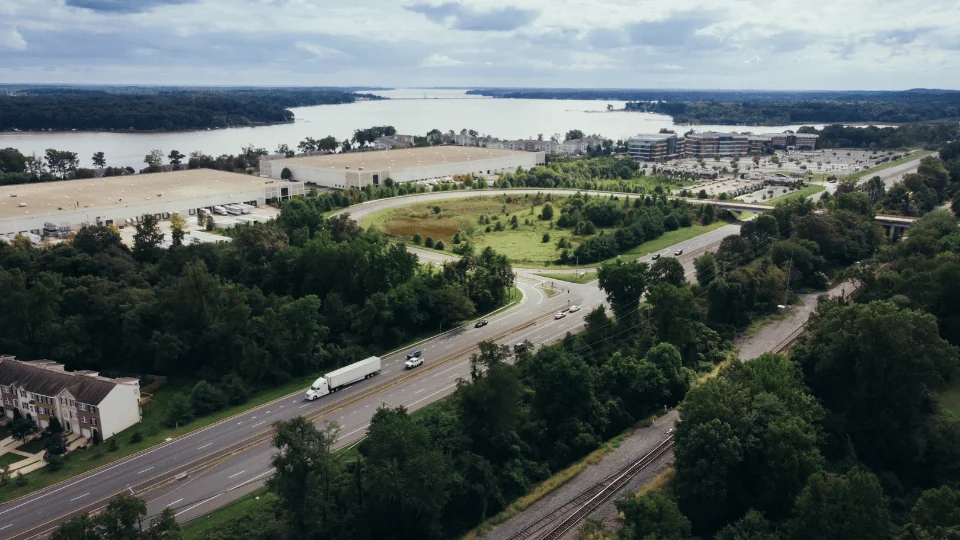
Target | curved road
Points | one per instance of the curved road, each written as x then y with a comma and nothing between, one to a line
200,471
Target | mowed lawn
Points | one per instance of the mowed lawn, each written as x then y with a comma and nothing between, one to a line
524,246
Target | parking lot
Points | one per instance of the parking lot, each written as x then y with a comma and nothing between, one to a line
261,213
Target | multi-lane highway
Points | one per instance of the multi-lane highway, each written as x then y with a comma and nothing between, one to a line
198,472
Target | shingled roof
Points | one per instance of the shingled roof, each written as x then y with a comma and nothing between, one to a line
50,380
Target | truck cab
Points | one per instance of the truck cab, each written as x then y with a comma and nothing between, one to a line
319,388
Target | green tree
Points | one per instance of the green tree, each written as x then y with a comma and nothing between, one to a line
407,478
624,284
177,229
652,516
120,520
417,239
21,426
54,440
574,134
847,507
546,213
147,239
876,368
706,268
154,159
286,174
307,479
206,398
936,514
752,526
667,270
176,158
179,410
99,160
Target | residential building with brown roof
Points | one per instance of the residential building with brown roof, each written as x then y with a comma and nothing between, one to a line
82,401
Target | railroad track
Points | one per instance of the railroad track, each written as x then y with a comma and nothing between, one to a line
557,523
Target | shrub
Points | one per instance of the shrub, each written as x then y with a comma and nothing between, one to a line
440,245
112,445
136,437
436,209
54,463
428,242
547,213
285,174
546,238
207,398
21,480
417,239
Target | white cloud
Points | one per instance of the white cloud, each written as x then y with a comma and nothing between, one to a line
440,60
319,50
10,38
689,43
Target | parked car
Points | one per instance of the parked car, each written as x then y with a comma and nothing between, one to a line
414,354
559,315
574,309
678,252
413,362
480,323
656,256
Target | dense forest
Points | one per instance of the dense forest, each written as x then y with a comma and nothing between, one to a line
749,96
778,113
283,300
911,135
157,110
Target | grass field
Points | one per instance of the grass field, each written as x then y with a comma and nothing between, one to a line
950,399
31,447
805,191
202,526
524,246
584,277
8,459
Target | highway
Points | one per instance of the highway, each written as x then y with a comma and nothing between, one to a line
198,472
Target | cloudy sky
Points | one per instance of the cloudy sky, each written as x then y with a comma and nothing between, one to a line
821,44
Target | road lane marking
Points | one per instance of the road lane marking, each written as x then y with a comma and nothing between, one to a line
173,503
271,471
5,526
145,470
238,474
418,391
198,504
259,424
204,446
253,417
80,497
302,406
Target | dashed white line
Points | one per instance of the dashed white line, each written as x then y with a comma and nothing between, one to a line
302,406
204,446
173,503
238,474
5,526
418,391
251,480
259,423
199,503
80,497
145,470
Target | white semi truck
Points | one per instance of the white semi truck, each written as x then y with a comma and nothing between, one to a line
335,380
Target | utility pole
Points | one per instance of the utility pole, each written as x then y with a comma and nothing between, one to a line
786,293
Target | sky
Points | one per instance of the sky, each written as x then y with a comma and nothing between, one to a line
734,44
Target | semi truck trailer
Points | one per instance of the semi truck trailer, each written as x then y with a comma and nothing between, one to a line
335,380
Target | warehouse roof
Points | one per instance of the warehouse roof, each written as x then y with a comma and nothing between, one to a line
94,193
402,158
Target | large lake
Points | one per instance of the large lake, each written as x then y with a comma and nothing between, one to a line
411,111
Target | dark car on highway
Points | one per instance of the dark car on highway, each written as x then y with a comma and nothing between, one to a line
480,323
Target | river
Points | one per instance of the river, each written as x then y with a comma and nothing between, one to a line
411,111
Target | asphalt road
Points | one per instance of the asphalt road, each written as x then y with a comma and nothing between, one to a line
226,460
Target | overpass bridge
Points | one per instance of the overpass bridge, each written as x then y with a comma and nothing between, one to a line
896,225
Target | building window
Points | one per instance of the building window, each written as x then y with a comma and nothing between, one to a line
23,393
73,403
83,420
93,421
82,407
93,409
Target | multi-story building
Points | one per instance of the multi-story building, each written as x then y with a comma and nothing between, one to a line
395,141
655,147
82,401
805,141
580,146
758,144
710,143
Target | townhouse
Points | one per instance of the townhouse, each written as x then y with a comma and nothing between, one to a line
82,401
